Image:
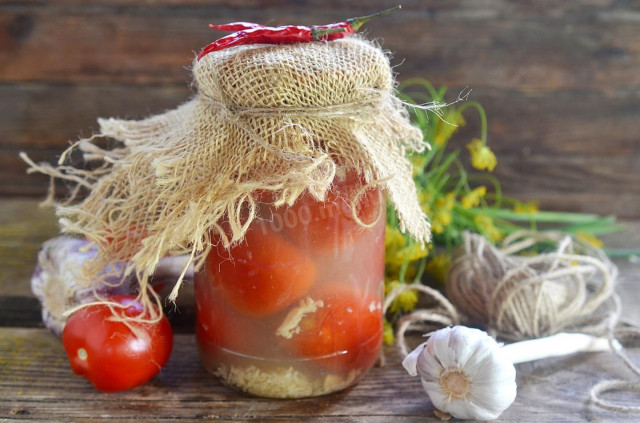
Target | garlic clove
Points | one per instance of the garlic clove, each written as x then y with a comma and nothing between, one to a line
438,398
479,410
428,365
410,362
495,386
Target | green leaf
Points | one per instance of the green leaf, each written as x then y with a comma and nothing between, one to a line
539,216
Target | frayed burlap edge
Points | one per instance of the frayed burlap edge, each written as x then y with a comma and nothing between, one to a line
177,177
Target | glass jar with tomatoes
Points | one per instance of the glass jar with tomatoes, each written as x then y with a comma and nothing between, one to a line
295,309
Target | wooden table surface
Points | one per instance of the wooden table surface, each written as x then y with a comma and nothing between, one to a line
560,84
37,384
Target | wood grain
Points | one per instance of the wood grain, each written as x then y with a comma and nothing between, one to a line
23,228
36,383
523,45
583,173
559,80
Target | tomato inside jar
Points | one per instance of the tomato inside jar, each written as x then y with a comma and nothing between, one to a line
295,309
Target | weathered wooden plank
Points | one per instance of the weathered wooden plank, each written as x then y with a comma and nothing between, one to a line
604,185
568,123
548,145
23,228
36,383
21,312
541,46
43,120
41,116
45,116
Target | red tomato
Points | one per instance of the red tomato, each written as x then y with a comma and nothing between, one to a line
108,353
218,325
345,333
331,224
263,274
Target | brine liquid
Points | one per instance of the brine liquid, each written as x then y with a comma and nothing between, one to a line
295,310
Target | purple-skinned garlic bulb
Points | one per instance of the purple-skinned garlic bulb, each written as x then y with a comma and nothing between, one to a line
59,284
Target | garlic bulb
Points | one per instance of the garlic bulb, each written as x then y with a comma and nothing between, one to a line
465,373
58,281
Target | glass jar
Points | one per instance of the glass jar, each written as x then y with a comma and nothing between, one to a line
295,309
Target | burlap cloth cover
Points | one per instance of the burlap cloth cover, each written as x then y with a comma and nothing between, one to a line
278,118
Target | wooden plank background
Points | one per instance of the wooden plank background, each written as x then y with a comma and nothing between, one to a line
560,80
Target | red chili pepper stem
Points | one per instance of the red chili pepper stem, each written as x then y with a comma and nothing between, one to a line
356,23
318,33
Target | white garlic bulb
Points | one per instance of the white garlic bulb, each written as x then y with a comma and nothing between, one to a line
465,373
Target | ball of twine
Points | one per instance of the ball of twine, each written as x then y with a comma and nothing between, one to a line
517,292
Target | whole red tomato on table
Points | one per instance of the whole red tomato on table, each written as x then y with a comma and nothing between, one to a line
108,353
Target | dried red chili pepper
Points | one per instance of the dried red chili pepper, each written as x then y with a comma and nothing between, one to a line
236,26
251,33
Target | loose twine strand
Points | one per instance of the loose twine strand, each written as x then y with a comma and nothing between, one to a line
600,388
517,297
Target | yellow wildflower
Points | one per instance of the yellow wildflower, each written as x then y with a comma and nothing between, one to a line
418,162
473,198
401,255
405,301
529,207
438,267
486,226
481,156
589,239
447,126
441,219
424,198
388,335
393,239
442,216
446,202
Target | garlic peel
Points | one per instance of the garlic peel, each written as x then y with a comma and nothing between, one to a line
291,324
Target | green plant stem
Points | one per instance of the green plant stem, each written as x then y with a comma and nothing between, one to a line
483,117
422,83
